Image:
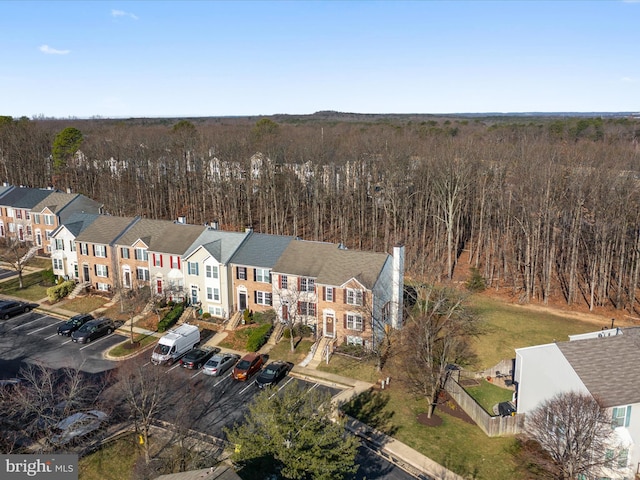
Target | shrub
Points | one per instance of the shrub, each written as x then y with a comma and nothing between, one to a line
58,292
247,315
299,330
476,282
258,337
206,316
171,317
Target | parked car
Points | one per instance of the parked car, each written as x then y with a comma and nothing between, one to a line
9,308
74,323
247,366
93,329
77,425
197,357
220,363
272,374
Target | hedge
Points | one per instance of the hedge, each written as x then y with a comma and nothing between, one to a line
258,337
58,292
171,317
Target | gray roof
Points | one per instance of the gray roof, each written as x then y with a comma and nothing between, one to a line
105,229
176,238
608,366
4,189
25,197
55,201
261,250
77,222
145,229
330,265
222,245
80,204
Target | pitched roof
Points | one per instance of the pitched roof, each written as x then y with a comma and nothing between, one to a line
176,238
105,229
25,197
146,229
55,201
261,250
222,245
77,223
329,264
608,366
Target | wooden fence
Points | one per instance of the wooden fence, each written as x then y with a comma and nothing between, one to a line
493,426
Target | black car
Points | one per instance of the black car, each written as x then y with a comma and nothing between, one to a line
197,357
93,329
74,323
9,308
272,374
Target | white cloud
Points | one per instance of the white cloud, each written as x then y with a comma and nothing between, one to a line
122,13
52,51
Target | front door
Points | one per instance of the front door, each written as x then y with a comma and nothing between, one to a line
85,272
194,294
159,286
127,279
329,326
242,301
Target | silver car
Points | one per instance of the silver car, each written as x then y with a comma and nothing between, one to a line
220,363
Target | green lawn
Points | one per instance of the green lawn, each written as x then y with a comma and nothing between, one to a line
509,327
33,289
84,304
364,369
487,395
112,462
282,351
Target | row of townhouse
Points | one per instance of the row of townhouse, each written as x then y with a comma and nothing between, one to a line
32,214
344,294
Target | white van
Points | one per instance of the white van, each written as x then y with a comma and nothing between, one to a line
175,343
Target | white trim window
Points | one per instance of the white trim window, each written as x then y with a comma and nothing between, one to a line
354,322
354,296
211,271
192,268
59,243
35,218
307,309
102,271
262,275
49,219
328,294
263,298
216,311
57,263
124,253
100,251
620,416
354,340
103,287
142,274
307,284
84,249
142,254
213,294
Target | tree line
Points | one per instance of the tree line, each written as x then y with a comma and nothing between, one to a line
547,207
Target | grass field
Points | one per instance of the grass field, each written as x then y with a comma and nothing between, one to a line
487,395
33,289
122,350
282,351
112,462
508,327
84,304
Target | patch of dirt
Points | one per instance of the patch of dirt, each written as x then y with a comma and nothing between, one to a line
447,405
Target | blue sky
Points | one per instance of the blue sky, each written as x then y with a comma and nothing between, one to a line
213,58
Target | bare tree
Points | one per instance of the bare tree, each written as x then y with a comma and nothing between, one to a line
576,438
145,391
17,254
36,405
437,335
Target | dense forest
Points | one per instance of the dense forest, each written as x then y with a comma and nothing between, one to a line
545,206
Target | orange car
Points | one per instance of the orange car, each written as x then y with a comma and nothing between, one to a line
247,366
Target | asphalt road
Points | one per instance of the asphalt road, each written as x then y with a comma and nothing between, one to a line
198,401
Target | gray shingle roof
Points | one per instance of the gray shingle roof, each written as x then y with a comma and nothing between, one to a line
223,251
330,265
261,250
608,366
104,229
177,238
77,223
146,229
55,202
25,197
